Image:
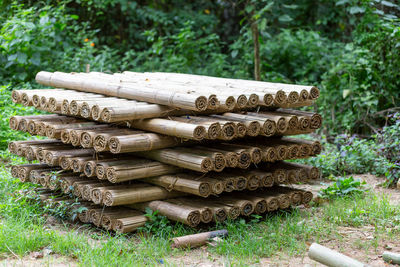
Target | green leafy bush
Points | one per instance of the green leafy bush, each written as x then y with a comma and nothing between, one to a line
343,187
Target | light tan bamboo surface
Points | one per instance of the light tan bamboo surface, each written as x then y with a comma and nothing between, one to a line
228,128
181,158
118,88
206,214
183,214
227,99
184,183
173,128
134,168
230,84
136,193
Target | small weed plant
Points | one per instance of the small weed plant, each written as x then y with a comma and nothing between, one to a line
344,187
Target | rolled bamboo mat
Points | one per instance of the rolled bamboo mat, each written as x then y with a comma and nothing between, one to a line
268,126
136,169
99,138
231,158
246,207
206,214
181,158
254,151
136,193
218,214
141,142
259,203
253,127
315,118
129,224
34,176
14,146
183,183
284,201
244,158
296,196
108,220
173,128
229,129
122,89
213,128
232,84
183,214
23,171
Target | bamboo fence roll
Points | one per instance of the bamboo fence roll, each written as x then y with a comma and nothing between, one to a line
174,212
260,204
129,224
206,214
246,207
233,84
253,127
99,139
15,121
316,145
141,142
229,211
228,128
135,194
315,118
22,171
173,128
137,169
283,199
125,90
296,196
244,157
313,172
219,213
256,153
108,220
183,183
231,158
34,176
96,193
307,196
181,158
213,128
268,128
55,179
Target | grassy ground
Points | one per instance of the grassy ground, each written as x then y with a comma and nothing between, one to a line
26,232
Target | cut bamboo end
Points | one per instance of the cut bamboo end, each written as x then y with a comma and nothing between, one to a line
293,97
268,100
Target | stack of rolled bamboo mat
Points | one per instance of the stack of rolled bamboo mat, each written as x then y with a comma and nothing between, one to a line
197,149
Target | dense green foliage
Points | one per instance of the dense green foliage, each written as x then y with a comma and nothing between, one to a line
379,155
349,48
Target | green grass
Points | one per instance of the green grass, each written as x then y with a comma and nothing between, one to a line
23,229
